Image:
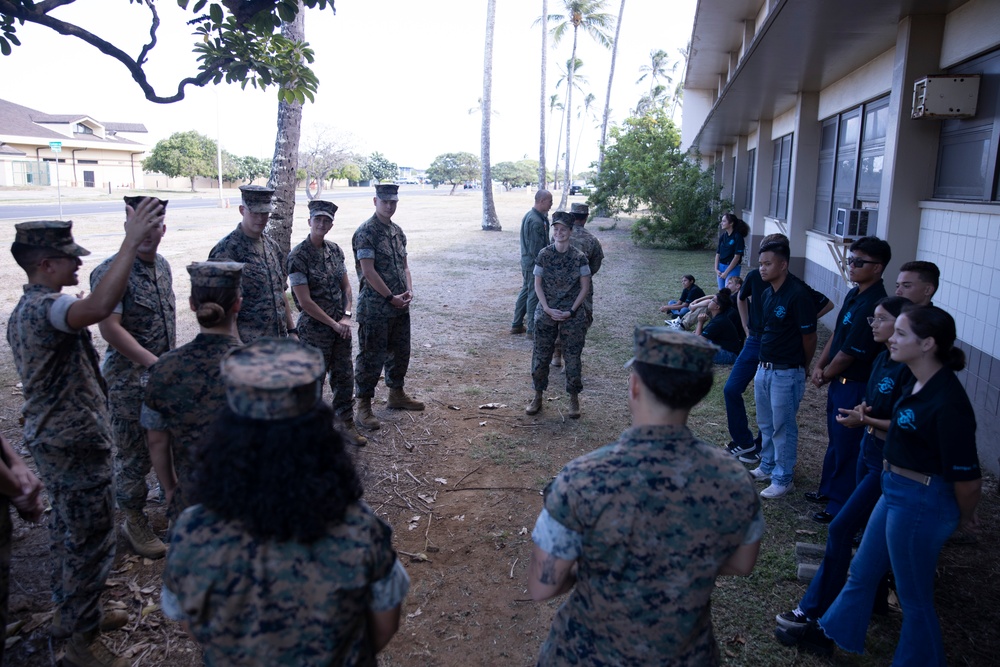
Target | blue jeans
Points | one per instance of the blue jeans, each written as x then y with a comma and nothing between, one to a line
906,531
778,394
840,463
678,311
724,357
527,301
734,272
853,516
739,378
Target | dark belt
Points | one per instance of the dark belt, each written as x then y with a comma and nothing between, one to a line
768,366
918,477
842,380
878,434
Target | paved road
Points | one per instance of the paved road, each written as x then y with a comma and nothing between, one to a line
49,209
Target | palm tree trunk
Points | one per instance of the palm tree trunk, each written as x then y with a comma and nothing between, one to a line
555,164
286,153
490,220
569,108
607,99
542,175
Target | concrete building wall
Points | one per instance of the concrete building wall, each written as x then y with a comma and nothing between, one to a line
969,30
869,81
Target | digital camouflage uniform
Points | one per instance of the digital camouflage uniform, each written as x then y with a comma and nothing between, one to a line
184,395
534,237
383,330
560,274
148,313
588,244
649,519
322,270
67,431
252,602
263,310
6,532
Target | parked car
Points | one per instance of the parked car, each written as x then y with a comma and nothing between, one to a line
577,187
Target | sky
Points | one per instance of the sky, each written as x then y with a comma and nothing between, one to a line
396,76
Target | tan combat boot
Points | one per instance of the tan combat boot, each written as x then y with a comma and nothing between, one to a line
85,650
398,400
363,414
574,406
140,535
351,431
557,358
113,619
535,406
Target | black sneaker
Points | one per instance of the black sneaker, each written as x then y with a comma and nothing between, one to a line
753,456
795,618
739,450
809,637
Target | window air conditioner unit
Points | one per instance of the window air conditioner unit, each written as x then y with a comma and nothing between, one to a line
945,96
853,222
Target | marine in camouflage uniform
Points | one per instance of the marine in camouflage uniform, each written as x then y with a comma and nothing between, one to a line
650,521
146,316
261,600
383,312
319,275
66,423
588,244
265,311
562,278
185,392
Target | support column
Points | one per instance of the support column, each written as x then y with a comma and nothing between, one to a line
802,185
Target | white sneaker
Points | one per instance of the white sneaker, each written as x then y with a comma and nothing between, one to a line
759,475
776,490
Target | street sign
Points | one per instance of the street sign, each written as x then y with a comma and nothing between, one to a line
56,146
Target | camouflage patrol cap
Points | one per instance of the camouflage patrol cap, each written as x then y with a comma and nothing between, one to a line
580,210
320,207
562,218
273,378
257,198
215,274
135,201
54,234
387,191
669,348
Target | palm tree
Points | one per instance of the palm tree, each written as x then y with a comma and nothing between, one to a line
578,82
657,97
586,14
490,220
542,173
678,96
588,102
556,105
607,99
657,69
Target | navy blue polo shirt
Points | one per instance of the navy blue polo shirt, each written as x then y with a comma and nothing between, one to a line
692,293
730,245
788,315
753,288
888,381
934,431
853,334
720,330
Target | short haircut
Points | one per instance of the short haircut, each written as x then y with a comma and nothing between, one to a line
927,271
29,256
778,248
773,238
737,280
688,276
725,299
541,194
678,389
874,247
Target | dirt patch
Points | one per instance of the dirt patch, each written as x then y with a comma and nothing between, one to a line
460,485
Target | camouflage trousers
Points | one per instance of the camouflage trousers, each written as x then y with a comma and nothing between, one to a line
81,531
588,307
571,335
131,462
6,535
382,343
340,367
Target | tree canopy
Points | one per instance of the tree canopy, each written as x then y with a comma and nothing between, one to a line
516,174
378,168
235,40
645,168
187,154
453,168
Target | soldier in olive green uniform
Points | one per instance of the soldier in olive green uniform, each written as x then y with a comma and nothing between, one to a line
66,423
383,313
322,291
562,280
141,328
308,577
265,311
643,526
185,392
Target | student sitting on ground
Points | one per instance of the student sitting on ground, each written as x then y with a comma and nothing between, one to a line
689,293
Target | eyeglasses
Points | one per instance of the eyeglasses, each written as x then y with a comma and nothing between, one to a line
858,262
880,320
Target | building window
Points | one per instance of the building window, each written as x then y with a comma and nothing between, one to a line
851,156
781,176
86,161
751,173
83,129
967,151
